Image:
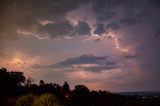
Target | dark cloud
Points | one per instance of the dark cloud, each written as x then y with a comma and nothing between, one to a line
150,57
157,34
26,14
99,29
85,59
105,15
113,26
85,62
128,21
127,12
155,2
82,28
104,9
57,29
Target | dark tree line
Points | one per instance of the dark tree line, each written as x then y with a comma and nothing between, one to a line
10,82
14,84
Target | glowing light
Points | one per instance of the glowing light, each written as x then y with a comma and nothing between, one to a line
68,37
85,65
116,40
94,37
116,43
67,95
73,20
18,61
111,36
22,61
31,34
79,74
75,23
45,22
124,50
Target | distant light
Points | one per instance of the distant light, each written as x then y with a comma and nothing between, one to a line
45,22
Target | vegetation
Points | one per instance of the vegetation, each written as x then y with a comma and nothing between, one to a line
26,100
46,100
16,90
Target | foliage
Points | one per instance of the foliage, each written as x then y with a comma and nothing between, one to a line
17,78
28,81
42,100
10,81
51,94
26,100
66,87
81,89
46,100
41,83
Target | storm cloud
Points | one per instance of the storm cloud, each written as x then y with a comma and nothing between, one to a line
84,62
26,15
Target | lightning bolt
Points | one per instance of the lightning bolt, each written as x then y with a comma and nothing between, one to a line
111,36
45,22
31,34
116,40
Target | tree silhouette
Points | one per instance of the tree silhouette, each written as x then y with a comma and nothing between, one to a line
41,83
12,87
10,81
29,81
17,78
80,96
66,87
81,89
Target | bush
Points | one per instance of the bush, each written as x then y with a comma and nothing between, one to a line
43,100
46,100
26,100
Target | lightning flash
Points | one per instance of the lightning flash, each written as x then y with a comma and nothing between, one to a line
31,34
111,36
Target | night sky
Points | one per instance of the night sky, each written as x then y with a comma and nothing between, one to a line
104,44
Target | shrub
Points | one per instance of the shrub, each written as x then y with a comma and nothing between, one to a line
26,100
46,100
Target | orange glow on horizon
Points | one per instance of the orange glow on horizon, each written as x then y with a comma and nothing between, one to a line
18,61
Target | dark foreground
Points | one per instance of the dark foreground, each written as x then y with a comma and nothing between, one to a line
15,90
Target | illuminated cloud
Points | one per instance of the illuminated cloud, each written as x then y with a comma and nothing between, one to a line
32,15
84,62
31,34
111,36
45,22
